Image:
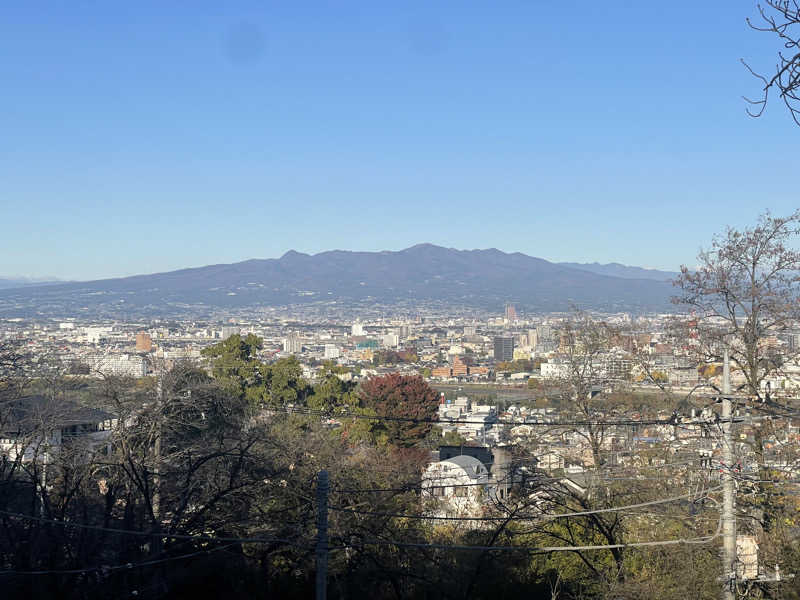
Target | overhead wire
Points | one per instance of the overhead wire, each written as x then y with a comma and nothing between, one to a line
542,517
150,534
535,549
571,423
111,568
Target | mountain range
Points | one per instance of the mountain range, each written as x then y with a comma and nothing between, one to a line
18,282
624,271
422,273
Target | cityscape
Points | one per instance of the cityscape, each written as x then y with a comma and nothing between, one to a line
400,301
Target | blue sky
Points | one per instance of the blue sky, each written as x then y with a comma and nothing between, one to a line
144,137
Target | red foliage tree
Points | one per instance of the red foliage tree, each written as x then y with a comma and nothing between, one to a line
400,397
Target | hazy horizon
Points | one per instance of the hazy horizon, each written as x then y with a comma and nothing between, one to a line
51,279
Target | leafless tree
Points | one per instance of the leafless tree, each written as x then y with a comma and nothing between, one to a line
14,369
745,292
781,18
583,382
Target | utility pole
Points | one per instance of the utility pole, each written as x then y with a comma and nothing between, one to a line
728,499
322,535
157,446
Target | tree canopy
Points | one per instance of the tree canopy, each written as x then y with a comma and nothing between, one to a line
402,397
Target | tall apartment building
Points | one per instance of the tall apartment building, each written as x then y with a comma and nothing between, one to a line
391,340
144,343
504,348
124,365
511,313
228,331
292,344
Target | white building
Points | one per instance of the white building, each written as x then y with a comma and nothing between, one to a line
551,370
332,352
391,340
293,344
121,365
228,331
459,483
95,334
36,428
357,328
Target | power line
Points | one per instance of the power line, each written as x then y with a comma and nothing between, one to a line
543,517
505,481
536,549
109,568
152,534
603,468
572,423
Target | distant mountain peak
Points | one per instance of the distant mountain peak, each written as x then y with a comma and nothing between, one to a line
422,274
290,254
427,247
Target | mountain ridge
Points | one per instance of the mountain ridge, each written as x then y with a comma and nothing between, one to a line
615,269
482,278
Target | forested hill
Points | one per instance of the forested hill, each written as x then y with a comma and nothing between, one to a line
425,272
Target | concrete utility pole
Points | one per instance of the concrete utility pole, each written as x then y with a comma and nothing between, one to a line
322,535
728,499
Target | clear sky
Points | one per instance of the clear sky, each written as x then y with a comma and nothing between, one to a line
141,137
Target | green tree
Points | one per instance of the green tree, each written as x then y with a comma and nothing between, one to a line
285,382
332,393
235,366
453,438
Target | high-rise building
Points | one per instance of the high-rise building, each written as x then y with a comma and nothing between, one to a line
511,313
503,348
130,365
533,337
228,331
332,351
292,344
357,329
144,343
391,340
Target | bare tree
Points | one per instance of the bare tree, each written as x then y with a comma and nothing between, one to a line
745,291
584,348
781,18
14,369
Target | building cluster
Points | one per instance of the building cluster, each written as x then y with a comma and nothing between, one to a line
478,364
475,349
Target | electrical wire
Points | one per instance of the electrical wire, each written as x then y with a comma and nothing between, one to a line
527,518
573,423
536,549
107,568
151,534
532,480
